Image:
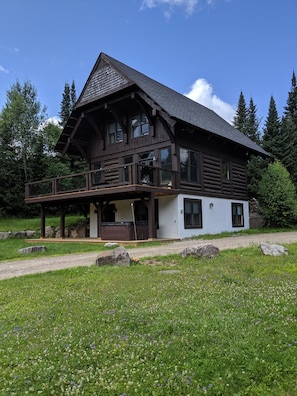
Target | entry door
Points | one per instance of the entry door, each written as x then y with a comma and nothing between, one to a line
141,212
108,213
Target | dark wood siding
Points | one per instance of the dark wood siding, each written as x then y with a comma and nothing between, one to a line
211,173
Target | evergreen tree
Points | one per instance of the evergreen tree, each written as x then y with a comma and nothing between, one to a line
247,122
72,96
289,132
65,105
252,123
241,114
68,102
271,133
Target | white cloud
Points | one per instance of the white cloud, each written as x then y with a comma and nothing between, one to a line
14,50
3,70
188,5
202,92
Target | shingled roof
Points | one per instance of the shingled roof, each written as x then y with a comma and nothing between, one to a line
176,105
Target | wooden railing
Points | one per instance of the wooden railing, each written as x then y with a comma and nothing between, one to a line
128,174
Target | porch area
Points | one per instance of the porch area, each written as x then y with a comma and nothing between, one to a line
101,181
122,200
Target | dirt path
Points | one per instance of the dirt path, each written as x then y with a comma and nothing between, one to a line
10,269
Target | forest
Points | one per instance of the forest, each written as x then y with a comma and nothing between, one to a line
28,138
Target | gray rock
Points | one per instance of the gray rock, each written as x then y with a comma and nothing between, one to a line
116,257
49,232
32,249
30,233
4,235
19,234
273,250
203,250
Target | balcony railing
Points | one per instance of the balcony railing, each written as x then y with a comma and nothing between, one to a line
127,174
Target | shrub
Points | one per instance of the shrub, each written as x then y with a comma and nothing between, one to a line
277,196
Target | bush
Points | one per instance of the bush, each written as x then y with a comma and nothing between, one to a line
277,196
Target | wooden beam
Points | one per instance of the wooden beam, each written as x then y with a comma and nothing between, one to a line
91,120
117,117
81,117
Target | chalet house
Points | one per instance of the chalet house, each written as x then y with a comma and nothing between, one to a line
159,164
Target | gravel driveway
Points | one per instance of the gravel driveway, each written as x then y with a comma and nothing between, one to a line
10,269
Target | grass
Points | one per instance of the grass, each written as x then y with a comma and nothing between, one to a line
223,326
16,224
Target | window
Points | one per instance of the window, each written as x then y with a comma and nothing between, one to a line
146,170
226,170
96,176
237,215
189,165
140,125
115,133
192,213
166,163
127,169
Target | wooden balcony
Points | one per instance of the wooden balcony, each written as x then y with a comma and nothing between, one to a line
129,178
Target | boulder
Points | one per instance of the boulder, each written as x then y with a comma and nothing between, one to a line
116,257
4,235
30,233
49,232
19,234
273,250
32,249
203,250
257,220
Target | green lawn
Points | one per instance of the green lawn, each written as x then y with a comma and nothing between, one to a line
223,326
15,224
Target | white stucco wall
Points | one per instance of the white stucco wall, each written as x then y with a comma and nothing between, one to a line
216,218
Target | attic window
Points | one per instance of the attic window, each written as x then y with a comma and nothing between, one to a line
140,125
115,133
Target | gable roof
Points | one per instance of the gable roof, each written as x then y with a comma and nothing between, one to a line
110,75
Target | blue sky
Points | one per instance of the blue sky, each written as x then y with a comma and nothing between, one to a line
208,49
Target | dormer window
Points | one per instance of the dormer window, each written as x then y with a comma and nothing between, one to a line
140,125
115,133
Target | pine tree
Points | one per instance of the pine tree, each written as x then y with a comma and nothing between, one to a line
271,133
247,122
72,96
65,105
68,102
252,123
241,115
289,132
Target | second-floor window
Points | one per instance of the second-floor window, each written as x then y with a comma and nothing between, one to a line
115,133
166,163
140,125
189,165
226,170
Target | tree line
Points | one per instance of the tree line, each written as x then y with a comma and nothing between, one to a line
273,181
27,142
27,146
